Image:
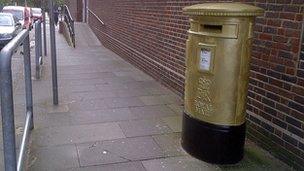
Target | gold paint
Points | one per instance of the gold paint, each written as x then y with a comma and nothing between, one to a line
203,102
223,9
218,95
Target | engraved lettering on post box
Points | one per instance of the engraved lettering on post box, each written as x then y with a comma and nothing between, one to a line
203,103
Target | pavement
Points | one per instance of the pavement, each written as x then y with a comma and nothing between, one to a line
111,116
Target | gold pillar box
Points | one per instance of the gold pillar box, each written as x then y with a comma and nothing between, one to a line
217,71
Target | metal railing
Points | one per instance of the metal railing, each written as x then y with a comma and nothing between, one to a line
38,49
44,33
96,16
68,19
7,103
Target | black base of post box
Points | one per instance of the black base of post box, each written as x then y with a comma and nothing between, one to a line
213,143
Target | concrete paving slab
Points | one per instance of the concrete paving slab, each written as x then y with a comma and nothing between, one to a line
137,75
91,156
131,92
184,163
174,123
152,111
45,120
76,134
170,144
119,86
130,149
144,127
128,166
85,96
78,88
159,91
178,109
97,81
99,116
95,75
106,103
160,99
123,102
61,108
55,158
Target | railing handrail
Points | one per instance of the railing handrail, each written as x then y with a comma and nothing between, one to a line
70,22
96,16
68,11
7,103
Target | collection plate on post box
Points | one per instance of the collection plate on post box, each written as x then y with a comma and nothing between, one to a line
206,53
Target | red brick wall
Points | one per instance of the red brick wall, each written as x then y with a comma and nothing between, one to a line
151,34
72,4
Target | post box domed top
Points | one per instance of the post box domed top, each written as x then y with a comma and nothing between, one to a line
223,9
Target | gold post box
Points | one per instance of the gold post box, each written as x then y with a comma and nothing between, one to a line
217,74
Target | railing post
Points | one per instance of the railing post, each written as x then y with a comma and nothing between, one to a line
7,111
40,41
53,53
37,51
38,48
73,36
44,33
28,78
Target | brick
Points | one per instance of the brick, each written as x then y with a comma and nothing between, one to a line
274,74
275,7
296,106
299,17
301,146
290,16
255,120
290,140
290,71
283,108
270,30
274,22
297,115
291,79
287,86
284,54
276,82
299,99
280,39
270,111
293,122
291,24
301,65
296,131
302,55
272,96
298,90
265,36
292,33
300,73
266,116
298,2
280,123
292,8
268,127
272,15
